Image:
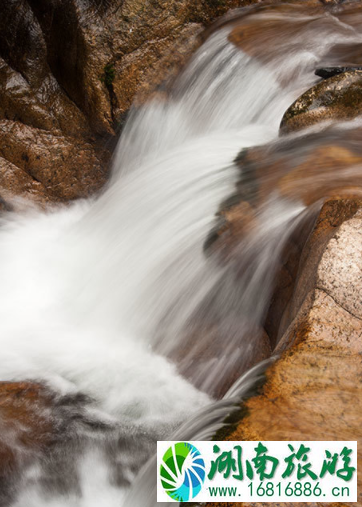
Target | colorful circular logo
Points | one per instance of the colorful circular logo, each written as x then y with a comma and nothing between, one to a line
182,472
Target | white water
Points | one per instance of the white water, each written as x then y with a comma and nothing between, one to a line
90,291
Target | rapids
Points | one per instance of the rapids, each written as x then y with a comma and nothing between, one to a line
99,296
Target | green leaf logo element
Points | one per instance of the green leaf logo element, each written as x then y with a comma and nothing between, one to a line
182,472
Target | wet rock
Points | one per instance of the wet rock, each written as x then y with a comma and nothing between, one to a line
337,98
234,223
199,352
262,34
264,31
311,170
70,71
333,214
348,55
305,169
148,44
43,434
334,2
24,409
264,38
333,168
84,46
38,118
311,392
57,162
26,429
17,188
327,72
140,75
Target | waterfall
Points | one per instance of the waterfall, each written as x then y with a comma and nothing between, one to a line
99,296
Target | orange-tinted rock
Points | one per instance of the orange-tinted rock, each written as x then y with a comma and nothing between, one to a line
311,392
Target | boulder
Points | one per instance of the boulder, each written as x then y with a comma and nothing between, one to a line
304,168
336,98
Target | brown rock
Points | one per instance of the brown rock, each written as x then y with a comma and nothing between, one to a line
70,71
311,392
334,212
324,173
265,36
16,185
265,30
235,222
26,430
24,409
200,352
38,119
58,162
336,98
311,169
142,71
306,169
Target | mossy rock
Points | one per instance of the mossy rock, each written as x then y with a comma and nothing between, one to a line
336,98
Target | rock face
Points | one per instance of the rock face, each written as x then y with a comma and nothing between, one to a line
69,72
336,98
311,392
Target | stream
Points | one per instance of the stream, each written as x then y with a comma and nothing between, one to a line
116,304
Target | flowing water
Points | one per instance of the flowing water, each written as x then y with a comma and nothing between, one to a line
110,301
